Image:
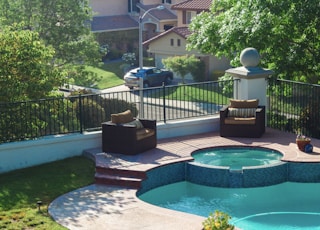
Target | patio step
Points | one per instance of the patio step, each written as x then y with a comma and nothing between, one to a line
121,172
117,180
120,177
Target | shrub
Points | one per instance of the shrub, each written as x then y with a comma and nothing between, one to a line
96,109
217,221
226,83
198,71
112,106
309,118
91,114
33,119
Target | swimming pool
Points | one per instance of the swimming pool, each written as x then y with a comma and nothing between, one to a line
288,205
257,197
237,157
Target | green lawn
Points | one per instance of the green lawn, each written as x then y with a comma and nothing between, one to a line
20,190
108,79
109,75
193,94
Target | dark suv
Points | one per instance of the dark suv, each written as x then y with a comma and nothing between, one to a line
152,76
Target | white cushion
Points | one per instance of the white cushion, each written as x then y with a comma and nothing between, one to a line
241,112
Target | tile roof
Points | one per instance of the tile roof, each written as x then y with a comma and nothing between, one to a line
182,31
164,14
113,23
193,5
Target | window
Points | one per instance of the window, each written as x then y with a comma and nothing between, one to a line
167,27
189,16
166,1
178,42
132,6
171,42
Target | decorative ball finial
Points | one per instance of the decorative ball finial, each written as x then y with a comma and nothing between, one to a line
249,57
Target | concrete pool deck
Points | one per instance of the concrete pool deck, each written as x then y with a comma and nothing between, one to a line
115,208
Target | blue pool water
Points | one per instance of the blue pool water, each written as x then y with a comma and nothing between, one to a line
237,157
284,206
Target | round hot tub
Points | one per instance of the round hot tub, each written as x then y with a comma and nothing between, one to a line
237,157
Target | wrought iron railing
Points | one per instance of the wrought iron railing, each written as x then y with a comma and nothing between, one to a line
294,107
79,113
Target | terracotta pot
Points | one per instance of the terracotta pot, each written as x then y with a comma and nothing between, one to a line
302,143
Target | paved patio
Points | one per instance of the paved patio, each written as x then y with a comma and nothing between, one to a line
115,208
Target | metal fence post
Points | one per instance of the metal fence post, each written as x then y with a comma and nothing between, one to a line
80,113
164,102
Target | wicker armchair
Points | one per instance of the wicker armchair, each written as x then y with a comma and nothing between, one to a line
242,118
128,136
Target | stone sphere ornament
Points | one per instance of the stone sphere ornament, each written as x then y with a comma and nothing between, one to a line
250,57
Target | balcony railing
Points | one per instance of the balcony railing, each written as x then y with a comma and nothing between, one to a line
38,118
292,107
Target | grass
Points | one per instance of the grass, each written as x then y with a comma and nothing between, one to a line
193,94
110,74
107,79
20,190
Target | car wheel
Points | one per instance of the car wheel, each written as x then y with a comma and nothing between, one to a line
167,81
146,84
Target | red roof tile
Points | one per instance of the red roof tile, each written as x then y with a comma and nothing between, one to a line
193,5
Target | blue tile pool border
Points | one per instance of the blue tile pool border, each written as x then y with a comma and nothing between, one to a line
217,176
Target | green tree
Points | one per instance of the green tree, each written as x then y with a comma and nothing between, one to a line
26,69
63,24
286,33
182,65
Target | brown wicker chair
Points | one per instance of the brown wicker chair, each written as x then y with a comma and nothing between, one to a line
242,126
127,138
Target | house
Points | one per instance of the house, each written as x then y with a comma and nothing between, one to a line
164,31
116,23
173,41
123,15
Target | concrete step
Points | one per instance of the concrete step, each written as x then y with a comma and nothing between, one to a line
121,172
128,182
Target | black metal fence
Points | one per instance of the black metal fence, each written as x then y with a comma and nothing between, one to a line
294,107
72,114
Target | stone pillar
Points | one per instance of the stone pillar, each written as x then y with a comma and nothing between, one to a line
252,82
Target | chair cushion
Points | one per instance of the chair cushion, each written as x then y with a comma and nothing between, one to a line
241,112
240,121
137,123
143,133
244,103
120,118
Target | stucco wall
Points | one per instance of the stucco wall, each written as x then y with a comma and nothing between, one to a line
24,154
150,2
104,8
163,46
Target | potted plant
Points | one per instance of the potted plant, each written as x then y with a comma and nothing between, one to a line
302,141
